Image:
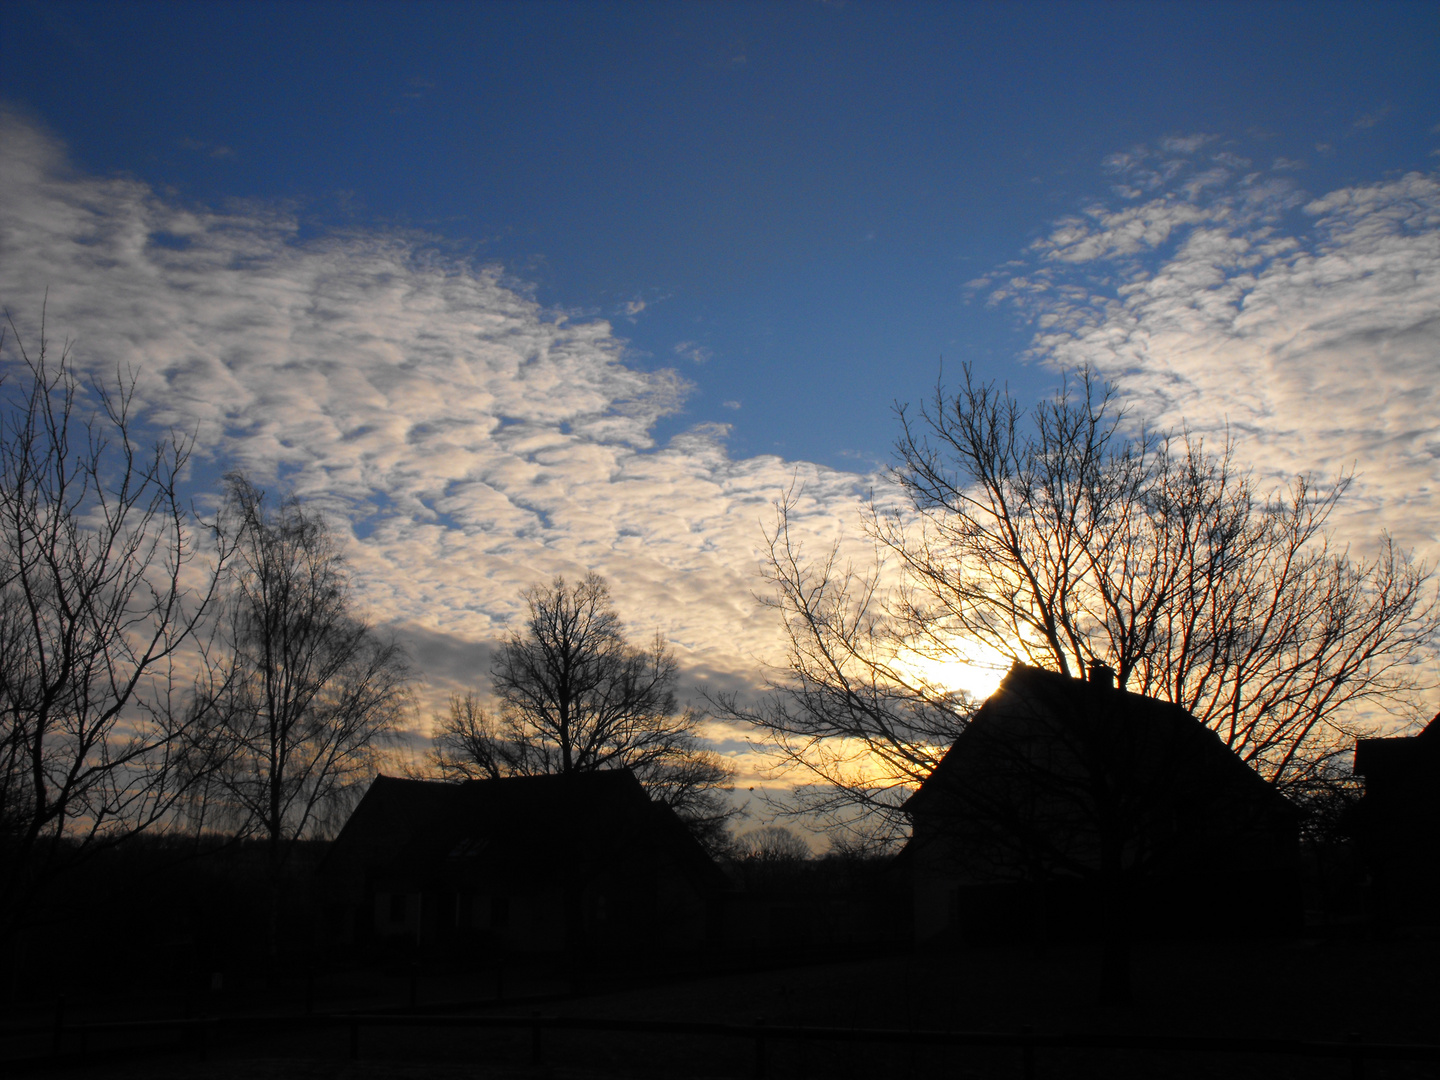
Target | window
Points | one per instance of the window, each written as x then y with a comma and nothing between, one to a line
399,907
468,848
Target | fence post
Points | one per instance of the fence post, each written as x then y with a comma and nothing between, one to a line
535,1050
1027,1052
759,1046
59,1025
1357,1057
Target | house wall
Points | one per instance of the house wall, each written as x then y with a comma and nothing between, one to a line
1057,785
1399,829
396,914
1253,886
609,916
520,865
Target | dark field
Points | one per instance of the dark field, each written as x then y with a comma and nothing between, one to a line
1384,992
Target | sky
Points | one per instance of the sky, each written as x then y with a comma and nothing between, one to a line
512,290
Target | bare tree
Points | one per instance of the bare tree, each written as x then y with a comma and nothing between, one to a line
104,599
772,844
1075,543
1067,537
575,696
851,722
313,692
467,744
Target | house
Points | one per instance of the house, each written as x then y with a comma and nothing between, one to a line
1398,824
1066,804
580,864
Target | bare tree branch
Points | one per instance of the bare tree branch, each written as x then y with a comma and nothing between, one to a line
575,696
313,692
1069,536
104,603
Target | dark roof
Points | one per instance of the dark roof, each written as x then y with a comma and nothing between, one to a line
535,828
390,812
1111,728
1386,757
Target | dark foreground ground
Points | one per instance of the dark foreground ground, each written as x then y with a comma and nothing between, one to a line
1387,992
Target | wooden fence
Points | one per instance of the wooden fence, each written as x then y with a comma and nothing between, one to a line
198,1036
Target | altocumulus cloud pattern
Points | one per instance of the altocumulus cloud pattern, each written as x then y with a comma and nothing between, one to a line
475,442
1217,293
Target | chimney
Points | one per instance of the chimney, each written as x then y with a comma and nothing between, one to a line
1102,674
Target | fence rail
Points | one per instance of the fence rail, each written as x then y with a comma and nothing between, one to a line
199,1034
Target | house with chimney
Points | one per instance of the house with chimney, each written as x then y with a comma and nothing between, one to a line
1066,804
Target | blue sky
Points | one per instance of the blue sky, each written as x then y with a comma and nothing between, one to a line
526,288
799,191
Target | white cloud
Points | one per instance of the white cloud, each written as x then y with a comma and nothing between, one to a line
1314,336
1184,144
1105,235
1368,120
477,442
694,352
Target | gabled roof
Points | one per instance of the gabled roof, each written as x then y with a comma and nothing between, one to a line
535,828
391,811
1116,729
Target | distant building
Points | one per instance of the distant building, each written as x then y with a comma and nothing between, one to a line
1066,802
584,863
1398,824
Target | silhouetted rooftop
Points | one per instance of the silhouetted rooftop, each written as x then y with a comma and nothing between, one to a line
1398,753
535,826
1151,734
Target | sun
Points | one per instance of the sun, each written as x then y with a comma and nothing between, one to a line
961,665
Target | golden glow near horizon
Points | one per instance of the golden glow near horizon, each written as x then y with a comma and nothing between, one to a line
975,668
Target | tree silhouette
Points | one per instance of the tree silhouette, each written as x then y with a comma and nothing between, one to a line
312,692
575,696
1069,536
105,599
